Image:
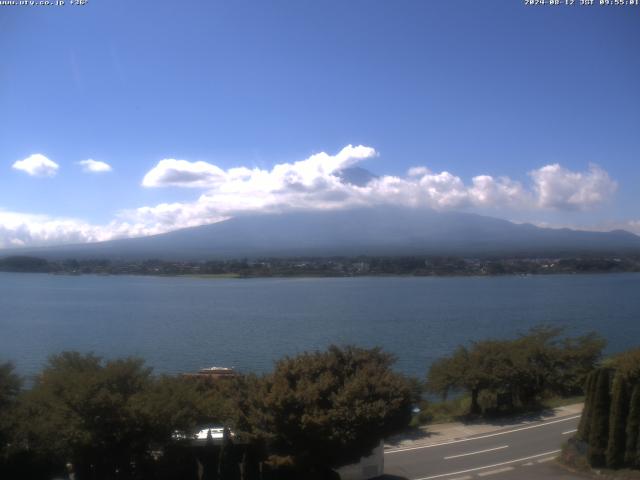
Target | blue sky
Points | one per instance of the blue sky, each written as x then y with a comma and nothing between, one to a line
201,109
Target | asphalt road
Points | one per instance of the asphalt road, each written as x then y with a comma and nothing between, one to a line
518,453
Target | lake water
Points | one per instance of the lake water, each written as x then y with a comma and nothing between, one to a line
182,324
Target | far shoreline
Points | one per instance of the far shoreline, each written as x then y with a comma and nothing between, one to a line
332,267
230,276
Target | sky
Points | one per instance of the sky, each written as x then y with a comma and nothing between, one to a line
123,118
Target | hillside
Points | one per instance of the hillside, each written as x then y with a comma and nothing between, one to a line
379,231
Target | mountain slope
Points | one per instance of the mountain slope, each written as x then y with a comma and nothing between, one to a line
370,231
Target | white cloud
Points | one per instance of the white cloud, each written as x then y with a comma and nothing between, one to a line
37,165
18,229
181,173
417,171
21,229
632,226
487,191
94,166
315,183
559,188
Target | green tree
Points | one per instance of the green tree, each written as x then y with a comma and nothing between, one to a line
522,370
628,364
617,422
599,428
585,418
631,457
169,404
471,370
484,366
81,410
10,385
450,374
576,359
610,423
107,416
23,264
329,408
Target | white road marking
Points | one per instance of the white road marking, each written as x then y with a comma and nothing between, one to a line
570,431
475,453
548,459
493,472
482,436
528,464
489,466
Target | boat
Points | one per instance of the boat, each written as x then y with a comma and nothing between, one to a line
213,373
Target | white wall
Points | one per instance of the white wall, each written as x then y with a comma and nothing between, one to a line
368,467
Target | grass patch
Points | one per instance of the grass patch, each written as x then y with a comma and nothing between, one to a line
556,402
457,410
442,412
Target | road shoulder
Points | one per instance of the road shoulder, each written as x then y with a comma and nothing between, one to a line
437,434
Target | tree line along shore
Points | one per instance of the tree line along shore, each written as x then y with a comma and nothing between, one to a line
331,266
114,419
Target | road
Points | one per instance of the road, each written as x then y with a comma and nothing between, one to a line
518,453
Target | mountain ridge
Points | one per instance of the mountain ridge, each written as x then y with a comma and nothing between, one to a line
388,231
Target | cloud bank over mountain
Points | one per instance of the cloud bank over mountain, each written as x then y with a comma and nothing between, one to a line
315,183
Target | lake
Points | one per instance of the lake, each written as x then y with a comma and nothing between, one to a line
181,324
